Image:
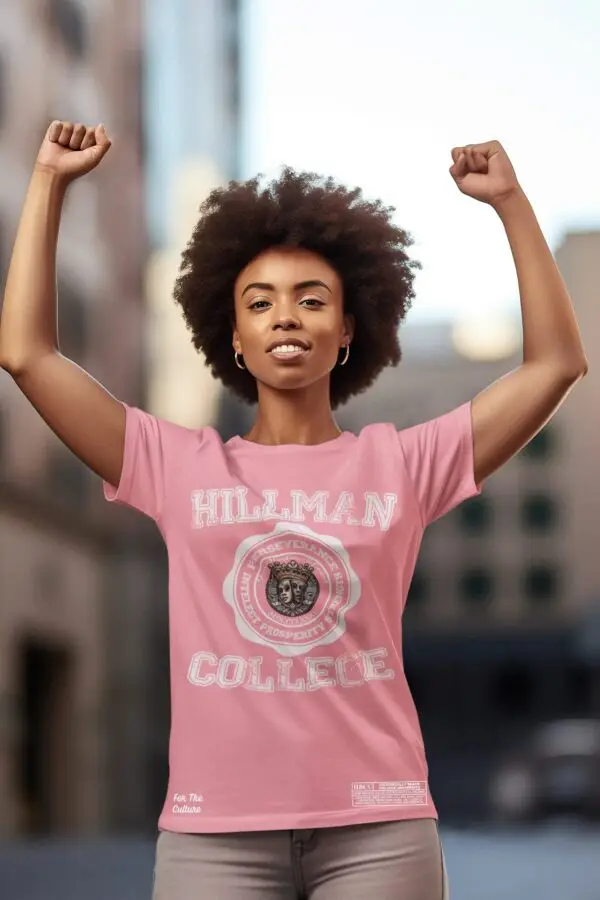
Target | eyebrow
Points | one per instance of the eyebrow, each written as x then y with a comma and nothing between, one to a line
264,286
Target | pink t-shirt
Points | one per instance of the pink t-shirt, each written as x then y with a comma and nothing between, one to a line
289,568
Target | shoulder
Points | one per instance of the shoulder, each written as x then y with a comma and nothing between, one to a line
451,429
378,438
377,431
453,424
164,432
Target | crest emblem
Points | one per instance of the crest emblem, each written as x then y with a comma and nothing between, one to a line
291,589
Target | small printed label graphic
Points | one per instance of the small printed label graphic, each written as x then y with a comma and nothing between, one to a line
389,793
187,804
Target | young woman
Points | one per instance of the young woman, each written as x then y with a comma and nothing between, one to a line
297,768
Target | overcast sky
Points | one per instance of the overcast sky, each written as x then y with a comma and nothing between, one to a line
377,93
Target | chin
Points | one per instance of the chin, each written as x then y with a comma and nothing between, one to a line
291,380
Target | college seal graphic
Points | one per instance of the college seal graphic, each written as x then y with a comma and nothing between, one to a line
291,589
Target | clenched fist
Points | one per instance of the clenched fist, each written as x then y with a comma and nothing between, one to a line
484,171
71,151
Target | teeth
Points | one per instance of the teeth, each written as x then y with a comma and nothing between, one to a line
287,348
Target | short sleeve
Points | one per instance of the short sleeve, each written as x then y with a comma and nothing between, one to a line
142,482
439,457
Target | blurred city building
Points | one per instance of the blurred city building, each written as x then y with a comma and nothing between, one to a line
499,617
77,579
193,113
500,623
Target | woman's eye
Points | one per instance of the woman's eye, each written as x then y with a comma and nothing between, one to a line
259,304
313,301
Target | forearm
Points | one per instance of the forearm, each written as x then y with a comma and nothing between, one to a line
28,326
550,331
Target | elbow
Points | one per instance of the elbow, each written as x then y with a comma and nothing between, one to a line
11,368
18,366
11,364
578,369
6,364
569,375
568,371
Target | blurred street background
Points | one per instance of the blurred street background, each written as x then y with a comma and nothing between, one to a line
502,633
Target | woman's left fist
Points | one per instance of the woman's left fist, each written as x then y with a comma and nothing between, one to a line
484,172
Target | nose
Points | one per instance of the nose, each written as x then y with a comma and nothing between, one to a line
286,318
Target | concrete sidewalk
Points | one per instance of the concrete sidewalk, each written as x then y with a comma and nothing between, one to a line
553,864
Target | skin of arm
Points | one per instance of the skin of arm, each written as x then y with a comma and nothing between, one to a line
511,411
86,417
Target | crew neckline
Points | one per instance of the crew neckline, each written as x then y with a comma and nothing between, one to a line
238,442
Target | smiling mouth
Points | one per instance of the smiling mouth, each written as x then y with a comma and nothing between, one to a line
288,351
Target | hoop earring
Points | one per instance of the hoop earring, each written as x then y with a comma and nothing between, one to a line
345,359
237,357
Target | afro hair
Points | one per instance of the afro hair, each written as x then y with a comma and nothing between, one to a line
354,235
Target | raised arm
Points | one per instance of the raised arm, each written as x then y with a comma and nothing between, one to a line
89,420
510,412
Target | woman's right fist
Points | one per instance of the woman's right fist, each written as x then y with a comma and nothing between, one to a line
71,151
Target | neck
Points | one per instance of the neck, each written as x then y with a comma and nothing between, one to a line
293,417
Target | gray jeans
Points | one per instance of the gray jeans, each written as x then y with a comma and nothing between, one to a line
378,861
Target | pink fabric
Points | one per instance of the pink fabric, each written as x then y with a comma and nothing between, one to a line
289,569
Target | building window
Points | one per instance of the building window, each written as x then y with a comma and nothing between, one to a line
3,91
542,447
477,586
68,19
232,51
68,479
232,76
72,317
4,260
45,753
512,690
3,433
417,684
48,582
475,515
418,590
539,512
540,583
580,689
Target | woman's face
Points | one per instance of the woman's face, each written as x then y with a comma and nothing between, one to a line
289,318
284,589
